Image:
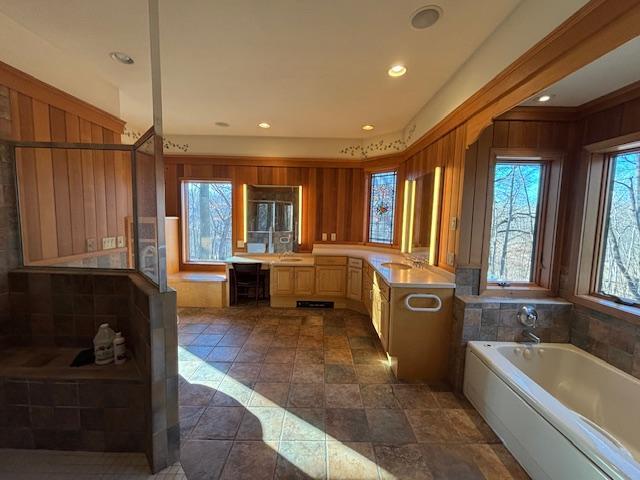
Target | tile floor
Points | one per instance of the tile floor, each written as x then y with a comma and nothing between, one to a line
64,465
269,393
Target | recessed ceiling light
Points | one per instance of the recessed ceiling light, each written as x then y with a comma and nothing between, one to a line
425,17
222,124
121,57
264,125
367,127
544,98
397,71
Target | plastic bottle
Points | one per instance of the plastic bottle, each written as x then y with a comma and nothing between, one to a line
119,349
103,345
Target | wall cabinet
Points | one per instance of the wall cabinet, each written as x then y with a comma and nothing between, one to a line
331,280
354,283
304,280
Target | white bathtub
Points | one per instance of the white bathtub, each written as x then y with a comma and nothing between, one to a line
563,413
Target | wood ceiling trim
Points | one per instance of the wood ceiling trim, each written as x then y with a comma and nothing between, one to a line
45,93
597,28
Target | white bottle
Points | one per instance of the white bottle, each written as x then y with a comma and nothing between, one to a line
119,349
103,345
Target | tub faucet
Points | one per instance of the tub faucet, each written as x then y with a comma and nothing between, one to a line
531,337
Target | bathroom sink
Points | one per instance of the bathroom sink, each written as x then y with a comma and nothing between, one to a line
399,266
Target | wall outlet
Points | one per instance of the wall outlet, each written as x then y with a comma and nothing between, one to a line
333,237
108,243
324,237
451,258
91,244
454,223
120,241
240,244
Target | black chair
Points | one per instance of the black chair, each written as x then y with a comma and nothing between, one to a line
247,276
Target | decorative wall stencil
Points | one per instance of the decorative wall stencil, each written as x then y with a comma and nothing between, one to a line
380,146
133,136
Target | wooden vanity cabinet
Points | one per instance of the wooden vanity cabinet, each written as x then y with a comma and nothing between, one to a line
354,279
380,312
304,280
331,280
282,281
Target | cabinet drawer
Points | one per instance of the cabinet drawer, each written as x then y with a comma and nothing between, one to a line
384,289
322,260
368,269
355,263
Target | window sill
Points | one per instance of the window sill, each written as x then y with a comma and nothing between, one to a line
528,291
608,307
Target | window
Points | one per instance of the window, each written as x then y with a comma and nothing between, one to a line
208,220
515,216
619,267
382,206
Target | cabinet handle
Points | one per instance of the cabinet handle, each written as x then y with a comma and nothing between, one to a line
436,308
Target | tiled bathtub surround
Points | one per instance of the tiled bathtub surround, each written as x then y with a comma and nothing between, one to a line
56,310
494,319
467,280
613,340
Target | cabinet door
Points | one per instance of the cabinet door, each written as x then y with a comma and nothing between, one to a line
304,280
367,292
376,310
384,323
354,283
331,280
282,281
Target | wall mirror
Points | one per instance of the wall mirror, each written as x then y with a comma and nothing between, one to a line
272,218
424,215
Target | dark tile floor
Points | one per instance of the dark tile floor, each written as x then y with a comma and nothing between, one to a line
275,393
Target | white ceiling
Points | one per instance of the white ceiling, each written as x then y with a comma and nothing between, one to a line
610,72
310,68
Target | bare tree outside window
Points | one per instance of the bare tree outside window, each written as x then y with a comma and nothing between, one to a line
620,261
514,221
208,211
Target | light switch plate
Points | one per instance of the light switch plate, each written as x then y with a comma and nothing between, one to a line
91,244
333,237
324,237
120,241
240,244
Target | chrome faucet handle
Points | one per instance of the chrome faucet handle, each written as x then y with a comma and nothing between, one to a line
528,316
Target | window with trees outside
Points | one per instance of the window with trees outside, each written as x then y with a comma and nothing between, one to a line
208,213
619,266
515,217
382,206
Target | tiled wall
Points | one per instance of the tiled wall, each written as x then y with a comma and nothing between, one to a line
494,319
611,339
90,415
64,309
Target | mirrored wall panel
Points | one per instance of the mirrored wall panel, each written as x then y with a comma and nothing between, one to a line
426,215
272,218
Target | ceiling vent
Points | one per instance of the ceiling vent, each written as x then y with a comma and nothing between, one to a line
425,17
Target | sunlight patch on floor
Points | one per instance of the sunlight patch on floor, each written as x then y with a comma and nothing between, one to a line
197,371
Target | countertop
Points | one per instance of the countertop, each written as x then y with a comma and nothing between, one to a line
430,277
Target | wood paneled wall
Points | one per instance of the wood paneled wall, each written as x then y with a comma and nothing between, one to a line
333,197
447,153
510,133
67,197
